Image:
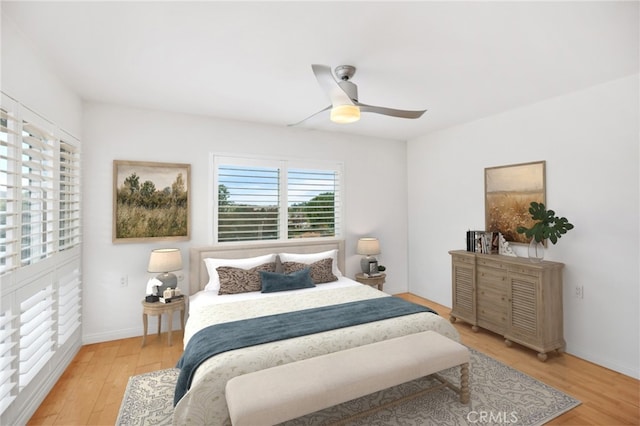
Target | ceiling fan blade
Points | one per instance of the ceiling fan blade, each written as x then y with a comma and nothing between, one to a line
312,115
330,86
401,113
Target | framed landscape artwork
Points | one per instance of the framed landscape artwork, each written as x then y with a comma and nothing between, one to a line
509,190
151,201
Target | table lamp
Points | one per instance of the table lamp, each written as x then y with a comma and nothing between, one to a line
367,247
165,261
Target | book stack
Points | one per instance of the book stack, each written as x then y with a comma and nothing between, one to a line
483,242
171,299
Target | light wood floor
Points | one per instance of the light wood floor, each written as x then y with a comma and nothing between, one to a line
91,389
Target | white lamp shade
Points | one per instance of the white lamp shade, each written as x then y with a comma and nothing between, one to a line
165,260
368,246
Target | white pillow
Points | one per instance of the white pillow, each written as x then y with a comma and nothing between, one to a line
313,257
244,263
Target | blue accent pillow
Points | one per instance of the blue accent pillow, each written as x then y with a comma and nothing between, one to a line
272,281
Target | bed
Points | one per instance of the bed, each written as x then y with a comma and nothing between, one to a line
204,401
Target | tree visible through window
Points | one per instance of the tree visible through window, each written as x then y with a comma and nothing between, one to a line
311,211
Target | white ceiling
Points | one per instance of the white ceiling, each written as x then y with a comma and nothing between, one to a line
250,61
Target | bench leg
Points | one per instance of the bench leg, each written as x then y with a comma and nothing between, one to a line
464,383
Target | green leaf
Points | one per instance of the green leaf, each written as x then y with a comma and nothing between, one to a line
548,226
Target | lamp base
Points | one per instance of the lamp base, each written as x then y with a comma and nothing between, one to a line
365,264
168,280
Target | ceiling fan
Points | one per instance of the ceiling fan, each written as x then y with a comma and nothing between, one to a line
343,94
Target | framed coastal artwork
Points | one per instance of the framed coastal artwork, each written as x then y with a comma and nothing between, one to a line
509,190
151,201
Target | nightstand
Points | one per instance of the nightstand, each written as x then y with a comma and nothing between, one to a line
377,281
158,308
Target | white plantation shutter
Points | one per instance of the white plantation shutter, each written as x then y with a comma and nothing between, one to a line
40,256
254,212
8,367
252,194
313,202
37,175
69,307
36,333
9,178
69,196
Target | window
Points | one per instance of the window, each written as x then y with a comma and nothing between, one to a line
9,202
257,199
40,255
36,188
69,196
40,186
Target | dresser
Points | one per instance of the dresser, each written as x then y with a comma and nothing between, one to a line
511,296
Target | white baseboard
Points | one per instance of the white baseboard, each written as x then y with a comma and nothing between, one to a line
88,339
627,370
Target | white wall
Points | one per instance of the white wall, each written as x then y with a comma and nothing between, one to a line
28,78
589,140
112,132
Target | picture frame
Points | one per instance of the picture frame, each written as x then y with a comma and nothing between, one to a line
151,201
373,267
509,191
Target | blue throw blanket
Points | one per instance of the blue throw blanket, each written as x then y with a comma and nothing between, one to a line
228,336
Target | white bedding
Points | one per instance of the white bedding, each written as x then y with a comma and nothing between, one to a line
205,402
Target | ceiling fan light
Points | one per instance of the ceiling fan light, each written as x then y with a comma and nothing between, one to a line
344,114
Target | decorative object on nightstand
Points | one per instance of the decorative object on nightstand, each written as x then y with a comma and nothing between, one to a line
372,280
158,309
368,247
547,226
165,261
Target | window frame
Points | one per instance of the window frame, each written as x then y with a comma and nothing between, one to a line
54,155
284,165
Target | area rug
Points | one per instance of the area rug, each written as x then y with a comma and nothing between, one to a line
499,395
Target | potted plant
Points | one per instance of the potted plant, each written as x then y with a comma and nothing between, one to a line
547,226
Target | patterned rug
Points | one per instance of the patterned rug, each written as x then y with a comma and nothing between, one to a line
499,395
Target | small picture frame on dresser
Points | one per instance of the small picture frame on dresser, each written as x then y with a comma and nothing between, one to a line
373,267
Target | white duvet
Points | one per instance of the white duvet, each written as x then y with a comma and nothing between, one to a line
205,404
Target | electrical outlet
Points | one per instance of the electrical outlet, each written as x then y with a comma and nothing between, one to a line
124,281
579,291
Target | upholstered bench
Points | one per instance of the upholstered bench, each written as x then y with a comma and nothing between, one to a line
288,391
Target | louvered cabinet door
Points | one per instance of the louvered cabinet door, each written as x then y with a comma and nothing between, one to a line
463,289
535,308
523,312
